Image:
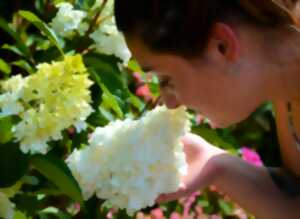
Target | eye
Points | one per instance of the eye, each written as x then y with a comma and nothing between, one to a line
147,69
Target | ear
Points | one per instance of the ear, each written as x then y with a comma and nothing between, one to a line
224,40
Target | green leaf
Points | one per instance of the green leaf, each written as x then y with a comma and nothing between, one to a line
84,4
109,100
134,66
226,207
55,2
28,203
135,101
6,125
19,215
21,45
13,49
4,67
13,164
11,191
40,6
59,174
55,212
107,69
43,27
212,137
24,65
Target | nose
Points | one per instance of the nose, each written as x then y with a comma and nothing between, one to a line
169,98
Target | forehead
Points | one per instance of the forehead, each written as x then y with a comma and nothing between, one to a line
149,59
140,51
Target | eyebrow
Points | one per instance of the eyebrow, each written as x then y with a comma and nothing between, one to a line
147,69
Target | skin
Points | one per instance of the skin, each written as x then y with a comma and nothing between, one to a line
242,67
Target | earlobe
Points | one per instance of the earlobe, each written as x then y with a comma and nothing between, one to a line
228,43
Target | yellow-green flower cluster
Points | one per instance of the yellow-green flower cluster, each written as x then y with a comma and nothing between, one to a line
53,99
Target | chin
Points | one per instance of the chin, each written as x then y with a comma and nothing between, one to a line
222,124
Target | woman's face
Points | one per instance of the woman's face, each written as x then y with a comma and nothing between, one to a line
225,91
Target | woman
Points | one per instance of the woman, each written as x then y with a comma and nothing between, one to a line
224,59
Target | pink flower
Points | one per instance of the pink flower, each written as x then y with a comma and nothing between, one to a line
77,206
251,156
240,213
188,202
138,78
144,92
199,213
215,216
175,215
157,214
199,119
141,215
111,213
149,77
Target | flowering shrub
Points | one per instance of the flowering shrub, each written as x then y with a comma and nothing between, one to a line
73,107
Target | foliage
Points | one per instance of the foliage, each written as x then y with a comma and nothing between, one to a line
41,186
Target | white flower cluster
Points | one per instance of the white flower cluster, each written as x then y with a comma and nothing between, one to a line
6,207
67,20
53,99
130,163
108,39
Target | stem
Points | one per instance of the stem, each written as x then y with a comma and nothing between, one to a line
92,24
94,21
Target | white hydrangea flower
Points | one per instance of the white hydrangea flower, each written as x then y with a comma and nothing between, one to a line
6,207
8,101
67,20
110,41
130,163
48,102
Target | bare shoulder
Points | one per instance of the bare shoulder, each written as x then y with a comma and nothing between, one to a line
289,152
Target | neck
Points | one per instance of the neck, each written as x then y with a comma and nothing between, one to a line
284,65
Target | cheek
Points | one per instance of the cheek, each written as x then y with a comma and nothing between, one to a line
222,100
187,88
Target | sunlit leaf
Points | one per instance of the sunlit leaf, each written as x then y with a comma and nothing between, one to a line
24,65
6,126
43,27
212,137
54,212
59,174
13,49
5,67
109,100
134,66
106,67
21,45
19,215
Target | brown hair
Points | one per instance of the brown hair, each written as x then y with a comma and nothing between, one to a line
183,26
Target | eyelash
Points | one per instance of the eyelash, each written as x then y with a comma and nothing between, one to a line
165,82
